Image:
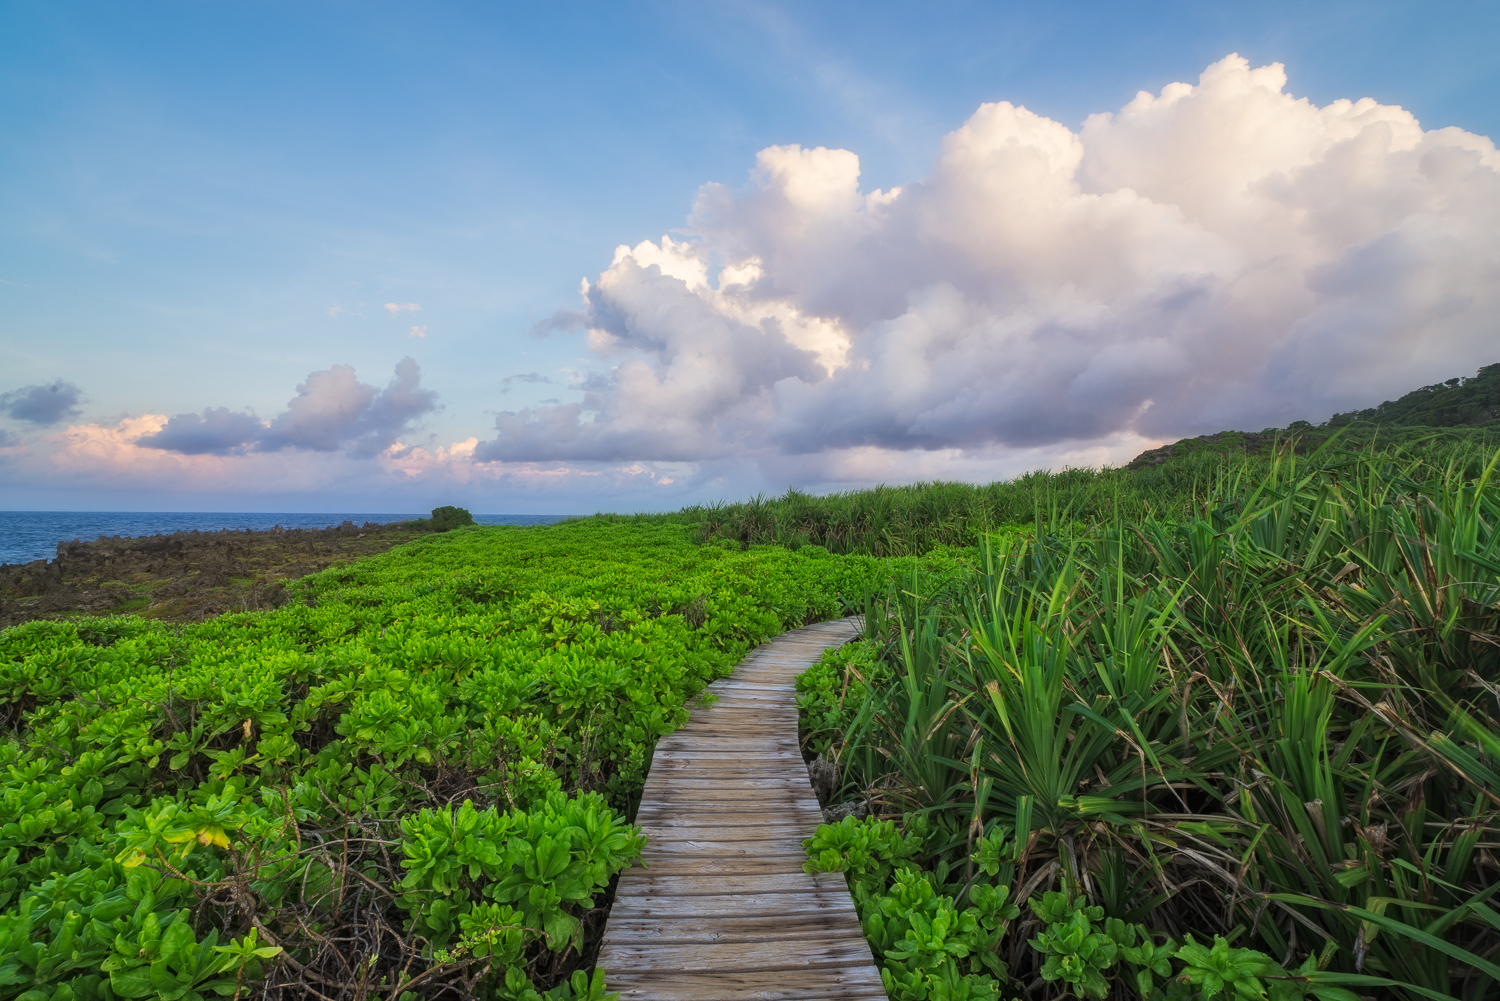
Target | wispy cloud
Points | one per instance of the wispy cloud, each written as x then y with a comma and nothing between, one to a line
395,308
418,332
531,378
562,320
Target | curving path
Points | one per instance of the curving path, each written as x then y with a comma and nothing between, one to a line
724,910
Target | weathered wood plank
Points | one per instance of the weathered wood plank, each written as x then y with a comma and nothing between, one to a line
724,746
708,827
705,846
724,910
708,818
725,906
784,953
735,929
644,881
662,819
732,985
697,987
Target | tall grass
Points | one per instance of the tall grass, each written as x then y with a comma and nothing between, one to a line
910,520
1261,701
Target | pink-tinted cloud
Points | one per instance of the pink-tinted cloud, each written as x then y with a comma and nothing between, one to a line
331,411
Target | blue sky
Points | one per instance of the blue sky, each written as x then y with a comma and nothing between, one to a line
203,205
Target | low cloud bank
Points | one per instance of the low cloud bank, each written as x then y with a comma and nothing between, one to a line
338,440
332,411
1219,254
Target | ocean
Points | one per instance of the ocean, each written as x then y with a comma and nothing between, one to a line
34,535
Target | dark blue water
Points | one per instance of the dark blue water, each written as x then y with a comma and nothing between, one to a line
34,535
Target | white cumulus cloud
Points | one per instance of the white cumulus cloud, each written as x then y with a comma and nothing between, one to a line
1215,255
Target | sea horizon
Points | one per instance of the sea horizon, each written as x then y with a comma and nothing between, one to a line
27,536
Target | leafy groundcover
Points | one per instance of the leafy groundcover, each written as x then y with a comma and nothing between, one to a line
412,782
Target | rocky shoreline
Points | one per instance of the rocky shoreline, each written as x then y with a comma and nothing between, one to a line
184,576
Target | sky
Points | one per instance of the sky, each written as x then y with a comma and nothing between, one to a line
560,258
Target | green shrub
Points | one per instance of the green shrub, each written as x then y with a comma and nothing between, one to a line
445,518
421,769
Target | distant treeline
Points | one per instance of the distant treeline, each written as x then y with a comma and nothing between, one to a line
1453,412
1458,402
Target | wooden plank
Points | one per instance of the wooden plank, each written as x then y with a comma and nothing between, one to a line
723,909
783,809
732,745
807,820
724,833
643,881
749,778
728,906
724,850
705,846
697,826
732,930
843,985
702,758
662,817
799,812
768,800
720,866
792,953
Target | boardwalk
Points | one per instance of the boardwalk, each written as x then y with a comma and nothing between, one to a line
724,910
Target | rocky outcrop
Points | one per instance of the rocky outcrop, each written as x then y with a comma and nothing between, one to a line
184,576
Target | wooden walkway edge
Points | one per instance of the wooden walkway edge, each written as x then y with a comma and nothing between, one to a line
724,911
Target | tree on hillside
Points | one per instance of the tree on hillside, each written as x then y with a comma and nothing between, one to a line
1457,402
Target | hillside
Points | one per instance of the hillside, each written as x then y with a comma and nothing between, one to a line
1458,402
1459,410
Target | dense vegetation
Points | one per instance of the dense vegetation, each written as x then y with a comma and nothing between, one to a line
444,519
1249,750
1462,411
410,782
1304,438
913,520
1455,403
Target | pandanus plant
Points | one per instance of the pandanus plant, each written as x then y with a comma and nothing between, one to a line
1277,718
